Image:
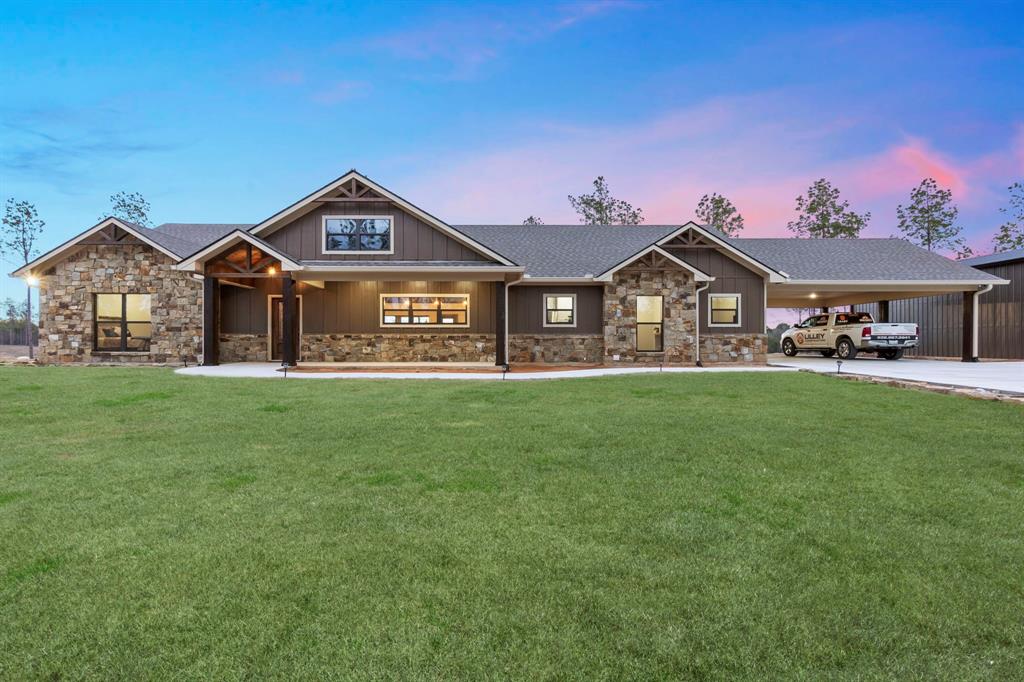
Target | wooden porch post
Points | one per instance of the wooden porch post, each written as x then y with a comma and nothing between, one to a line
883,311
211,318
500,325
967,354
288,321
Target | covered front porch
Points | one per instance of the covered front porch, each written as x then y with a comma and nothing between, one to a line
261,306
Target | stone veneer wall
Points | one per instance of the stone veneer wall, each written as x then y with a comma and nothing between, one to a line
244,348
555,348
727,348
397,348
66,305
679,321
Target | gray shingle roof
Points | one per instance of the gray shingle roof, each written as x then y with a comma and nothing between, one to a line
856,259
566,250
187,238
995,258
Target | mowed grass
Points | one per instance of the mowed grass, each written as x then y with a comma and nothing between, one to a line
715,526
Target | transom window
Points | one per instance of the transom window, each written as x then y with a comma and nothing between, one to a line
650,313
123,322
559,310
358,234
724,310
424,310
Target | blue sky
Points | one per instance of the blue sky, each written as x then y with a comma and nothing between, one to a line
226,112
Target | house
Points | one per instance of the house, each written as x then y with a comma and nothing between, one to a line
1000,313
354,272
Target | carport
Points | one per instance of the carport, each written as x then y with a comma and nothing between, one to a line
830,273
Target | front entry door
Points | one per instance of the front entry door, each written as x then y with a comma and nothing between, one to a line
277,326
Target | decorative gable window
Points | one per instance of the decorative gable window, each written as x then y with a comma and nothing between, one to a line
559,310
437,310
358,234
122,323
723,310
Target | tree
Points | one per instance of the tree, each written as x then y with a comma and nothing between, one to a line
823,215
1011,233
130,207
601,208
22,227
533,220
718,212
930,218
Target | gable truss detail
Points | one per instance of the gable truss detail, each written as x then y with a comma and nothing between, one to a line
688,240
354,190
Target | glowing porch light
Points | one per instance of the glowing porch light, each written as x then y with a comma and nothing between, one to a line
271,270
32,281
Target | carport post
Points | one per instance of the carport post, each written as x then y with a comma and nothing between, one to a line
883,311
967,352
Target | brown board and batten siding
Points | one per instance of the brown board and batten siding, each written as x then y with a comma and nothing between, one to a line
940,318
412,239
351,307
526,309
730,278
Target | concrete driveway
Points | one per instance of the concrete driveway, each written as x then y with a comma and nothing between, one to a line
1007,377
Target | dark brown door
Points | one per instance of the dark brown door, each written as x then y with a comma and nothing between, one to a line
277,325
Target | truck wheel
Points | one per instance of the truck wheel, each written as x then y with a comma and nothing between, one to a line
828,353
893,354
845,349
788,348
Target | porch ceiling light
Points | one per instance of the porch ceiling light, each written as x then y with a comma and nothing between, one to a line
814,295
271,270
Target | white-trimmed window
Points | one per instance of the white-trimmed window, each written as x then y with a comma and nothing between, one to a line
559,310
424,310
724,310
358,234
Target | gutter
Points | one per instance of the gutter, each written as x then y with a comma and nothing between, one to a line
697,327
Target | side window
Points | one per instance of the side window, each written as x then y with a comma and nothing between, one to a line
820,321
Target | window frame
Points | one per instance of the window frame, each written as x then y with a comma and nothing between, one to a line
661,323
358,252
739,309
421,294
556,325
123,323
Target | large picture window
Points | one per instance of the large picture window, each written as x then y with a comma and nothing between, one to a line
559,310
724,310
123,323
358,234
649,318
424,310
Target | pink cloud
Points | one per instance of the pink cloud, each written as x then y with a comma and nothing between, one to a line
900,168
751,149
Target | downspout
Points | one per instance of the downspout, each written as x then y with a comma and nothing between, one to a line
697,330
508,360
974,320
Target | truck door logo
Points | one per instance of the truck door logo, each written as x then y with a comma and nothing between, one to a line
800,337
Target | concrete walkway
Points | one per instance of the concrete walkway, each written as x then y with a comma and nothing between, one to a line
1007,377
266,370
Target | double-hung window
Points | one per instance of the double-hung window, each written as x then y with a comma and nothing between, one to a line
559,310
358,234
723,310
122,323
420,310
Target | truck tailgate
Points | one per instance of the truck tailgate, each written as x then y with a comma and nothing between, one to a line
893,329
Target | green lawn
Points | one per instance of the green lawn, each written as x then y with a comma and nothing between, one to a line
659,526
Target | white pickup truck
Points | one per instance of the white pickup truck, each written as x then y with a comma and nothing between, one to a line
846,334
